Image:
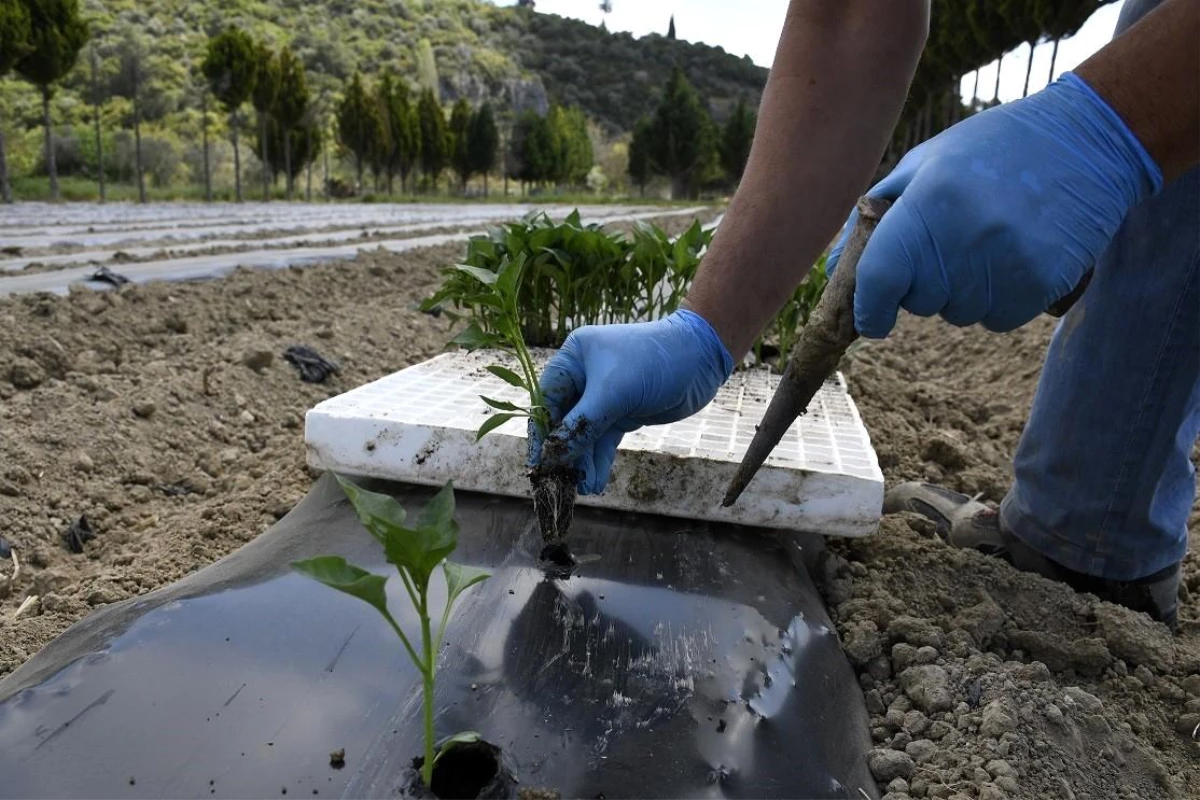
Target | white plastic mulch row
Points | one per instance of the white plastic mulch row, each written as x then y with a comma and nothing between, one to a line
418,426
204,267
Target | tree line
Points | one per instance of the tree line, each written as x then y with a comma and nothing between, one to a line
965,35
389,128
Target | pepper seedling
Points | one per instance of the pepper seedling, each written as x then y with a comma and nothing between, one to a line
498,293
415,552
554,485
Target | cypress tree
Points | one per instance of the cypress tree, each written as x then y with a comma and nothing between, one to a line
15,33
736,138
681,141
427,71
128,83
231,67
263,97
639,167
358,121
434,144
56,35
460,153
534,148
483,139
404,137
291,107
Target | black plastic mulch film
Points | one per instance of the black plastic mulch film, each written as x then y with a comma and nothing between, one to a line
687,660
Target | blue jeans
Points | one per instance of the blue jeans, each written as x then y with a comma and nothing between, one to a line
1104,481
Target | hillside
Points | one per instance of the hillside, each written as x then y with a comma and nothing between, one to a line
517,58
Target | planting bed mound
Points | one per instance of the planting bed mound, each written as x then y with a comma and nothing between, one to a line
166,415
680,656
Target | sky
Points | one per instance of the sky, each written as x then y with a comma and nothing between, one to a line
751,27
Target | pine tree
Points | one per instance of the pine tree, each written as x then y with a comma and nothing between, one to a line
671,28
266,90
231,67
291,107
736,138
15,34
682,142
57,34
483,140
460,153
434,144
129,82
358,121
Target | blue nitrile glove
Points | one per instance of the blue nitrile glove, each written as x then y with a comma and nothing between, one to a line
608,380
1001,215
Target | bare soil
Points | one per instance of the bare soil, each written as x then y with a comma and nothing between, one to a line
982,681
166,414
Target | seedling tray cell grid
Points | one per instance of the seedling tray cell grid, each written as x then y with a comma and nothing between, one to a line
418,426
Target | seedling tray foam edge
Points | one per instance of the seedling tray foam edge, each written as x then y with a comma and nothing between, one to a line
418,426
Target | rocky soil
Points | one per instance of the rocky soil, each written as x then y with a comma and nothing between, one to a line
984,682
166,416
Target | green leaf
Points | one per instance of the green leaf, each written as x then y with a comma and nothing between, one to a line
507,375
334,572
466,737
459,578
439,512
493,422
508,280
379,513
502,405
482,275
473,338
421,549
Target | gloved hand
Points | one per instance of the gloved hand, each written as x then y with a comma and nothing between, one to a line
608,380
999,216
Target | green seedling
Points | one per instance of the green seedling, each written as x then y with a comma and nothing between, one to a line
415,552
575,274
498,292
554,486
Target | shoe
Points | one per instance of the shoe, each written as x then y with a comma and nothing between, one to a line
964,521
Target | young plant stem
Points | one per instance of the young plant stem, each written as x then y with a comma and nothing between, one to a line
427,676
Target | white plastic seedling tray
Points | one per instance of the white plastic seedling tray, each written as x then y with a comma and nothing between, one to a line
418,426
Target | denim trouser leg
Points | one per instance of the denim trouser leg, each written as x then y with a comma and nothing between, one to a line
1104,479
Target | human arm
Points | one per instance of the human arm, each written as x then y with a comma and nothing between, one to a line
838,83
1150,75
835,91
1001,215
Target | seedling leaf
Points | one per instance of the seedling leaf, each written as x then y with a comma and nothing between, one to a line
466,737
493,422
502,405
460,577
334,572
474,338
507,375
439,512
380,514
478,273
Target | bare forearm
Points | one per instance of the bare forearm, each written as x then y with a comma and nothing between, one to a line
836,88
1150,75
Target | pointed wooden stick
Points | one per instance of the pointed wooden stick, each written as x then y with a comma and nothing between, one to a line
823,342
